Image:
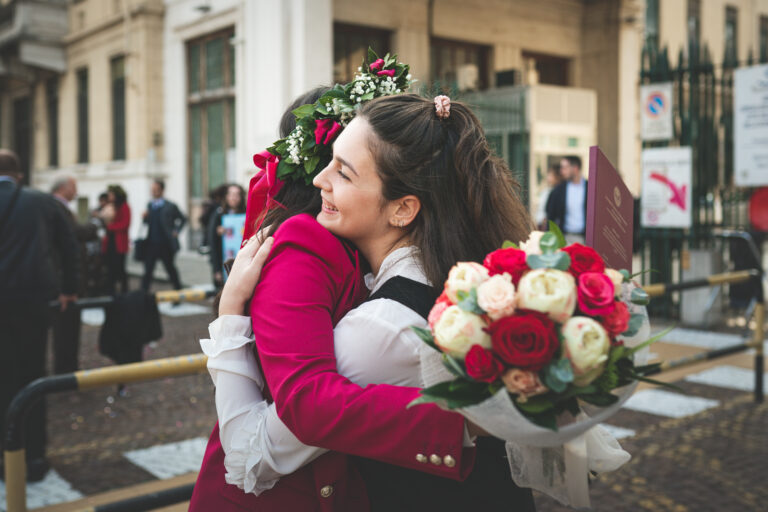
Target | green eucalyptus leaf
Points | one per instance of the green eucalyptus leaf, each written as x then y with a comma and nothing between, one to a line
425,335
600,399
367,96
461,294
303,111
635,322
558,260
535,404
548,243
555,230
625,273
507,244
469,303
455,366
639,297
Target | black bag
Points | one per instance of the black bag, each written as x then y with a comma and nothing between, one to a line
140,247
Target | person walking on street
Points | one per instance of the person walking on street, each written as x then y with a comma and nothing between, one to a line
553,179
567,204
66,326
117,219
32,226
165,222
234,202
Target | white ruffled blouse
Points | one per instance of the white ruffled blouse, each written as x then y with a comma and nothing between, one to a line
373,344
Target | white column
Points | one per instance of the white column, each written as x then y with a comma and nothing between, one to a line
287,50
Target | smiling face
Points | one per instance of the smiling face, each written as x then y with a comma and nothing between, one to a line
353,207
233,197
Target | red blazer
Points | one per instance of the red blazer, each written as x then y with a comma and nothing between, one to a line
307,285
119,226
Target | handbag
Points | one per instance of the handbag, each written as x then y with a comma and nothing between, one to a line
140,245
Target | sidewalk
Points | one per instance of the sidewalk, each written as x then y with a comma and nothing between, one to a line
194,268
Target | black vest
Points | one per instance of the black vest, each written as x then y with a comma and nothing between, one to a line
488,488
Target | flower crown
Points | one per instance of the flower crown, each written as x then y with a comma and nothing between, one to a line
307,148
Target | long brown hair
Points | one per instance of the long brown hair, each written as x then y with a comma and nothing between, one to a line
470,202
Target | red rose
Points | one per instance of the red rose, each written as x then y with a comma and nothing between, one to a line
482,365
510,260
595,294
525,340
617,321
583,259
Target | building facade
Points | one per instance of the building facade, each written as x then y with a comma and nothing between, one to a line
123,91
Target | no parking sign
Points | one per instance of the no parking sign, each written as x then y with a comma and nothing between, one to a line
656,111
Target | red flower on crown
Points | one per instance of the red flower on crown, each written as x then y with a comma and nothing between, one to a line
326,130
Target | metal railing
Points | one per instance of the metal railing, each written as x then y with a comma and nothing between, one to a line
755,312
15,460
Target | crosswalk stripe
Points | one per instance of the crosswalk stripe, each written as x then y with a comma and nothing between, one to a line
618,432
172,459
666,403
53,489
728,376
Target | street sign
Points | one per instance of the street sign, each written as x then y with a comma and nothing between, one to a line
666,197
750,119
656,111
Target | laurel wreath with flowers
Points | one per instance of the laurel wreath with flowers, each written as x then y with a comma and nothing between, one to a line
308,147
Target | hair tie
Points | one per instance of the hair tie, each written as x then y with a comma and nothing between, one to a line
443,106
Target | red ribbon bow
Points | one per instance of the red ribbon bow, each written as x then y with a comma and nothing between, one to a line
262,190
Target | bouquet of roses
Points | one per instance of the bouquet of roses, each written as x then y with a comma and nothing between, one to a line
544,321
540,344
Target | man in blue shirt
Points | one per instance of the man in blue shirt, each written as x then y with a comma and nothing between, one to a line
567,204
165,222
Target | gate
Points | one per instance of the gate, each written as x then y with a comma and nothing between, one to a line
703,120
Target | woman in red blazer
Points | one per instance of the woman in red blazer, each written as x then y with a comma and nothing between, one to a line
117,216
306,287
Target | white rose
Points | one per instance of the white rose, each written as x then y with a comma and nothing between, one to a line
457,330
531,246
616,277
549,291
463,277
497,296
586,345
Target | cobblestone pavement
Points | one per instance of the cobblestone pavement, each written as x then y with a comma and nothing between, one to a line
714,460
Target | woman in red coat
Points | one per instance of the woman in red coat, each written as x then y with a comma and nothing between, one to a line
309,282
117,217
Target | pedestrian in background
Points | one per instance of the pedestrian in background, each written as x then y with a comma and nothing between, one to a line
215,200
165,221
552,179
66,325
32,225
567,203
234,203
117,218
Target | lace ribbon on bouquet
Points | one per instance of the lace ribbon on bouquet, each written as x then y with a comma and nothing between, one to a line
554,463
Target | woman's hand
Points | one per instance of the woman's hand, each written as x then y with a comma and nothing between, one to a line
244,276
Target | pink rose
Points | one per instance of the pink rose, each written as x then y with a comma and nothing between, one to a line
595,294
377,64
387,72
436,312
326,130
497,296
523,383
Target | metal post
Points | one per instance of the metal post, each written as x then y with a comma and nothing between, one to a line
758,342
15,480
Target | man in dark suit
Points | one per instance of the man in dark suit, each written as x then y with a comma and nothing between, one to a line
567,204
32,226
165,222
66,326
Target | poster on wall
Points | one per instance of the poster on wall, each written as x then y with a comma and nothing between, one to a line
750,121
666,198
233,224
656,111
